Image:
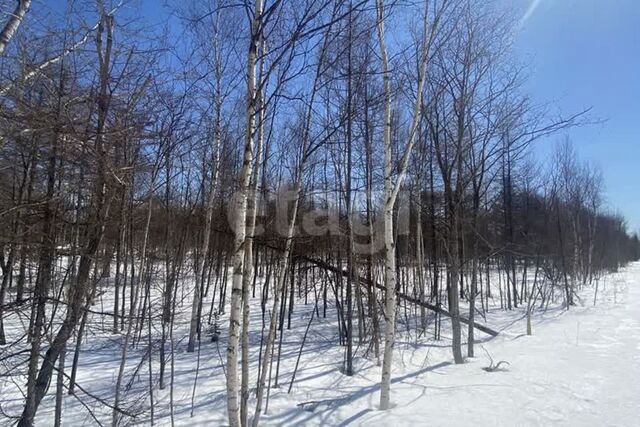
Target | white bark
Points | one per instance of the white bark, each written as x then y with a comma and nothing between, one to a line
248,259
235,314
391,190
13,23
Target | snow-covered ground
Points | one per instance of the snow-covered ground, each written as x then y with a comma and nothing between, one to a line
581,367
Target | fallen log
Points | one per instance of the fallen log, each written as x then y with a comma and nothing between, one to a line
365,282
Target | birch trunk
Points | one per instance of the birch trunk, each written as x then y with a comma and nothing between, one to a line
15,19
240,225
391,189
248,259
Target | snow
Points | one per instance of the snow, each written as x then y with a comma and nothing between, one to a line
581,367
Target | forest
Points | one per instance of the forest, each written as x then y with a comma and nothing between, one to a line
197,201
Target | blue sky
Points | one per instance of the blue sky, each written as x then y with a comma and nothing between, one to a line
581,53
586,53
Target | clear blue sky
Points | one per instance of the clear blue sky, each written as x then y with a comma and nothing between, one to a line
587,53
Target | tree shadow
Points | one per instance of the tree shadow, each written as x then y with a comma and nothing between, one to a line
316,411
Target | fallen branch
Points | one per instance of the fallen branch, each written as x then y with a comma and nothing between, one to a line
492,367
365,282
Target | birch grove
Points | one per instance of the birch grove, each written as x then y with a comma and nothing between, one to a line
215,213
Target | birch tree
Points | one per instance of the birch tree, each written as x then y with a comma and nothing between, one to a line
392,188
240,209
